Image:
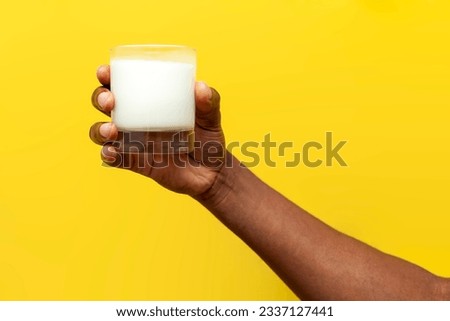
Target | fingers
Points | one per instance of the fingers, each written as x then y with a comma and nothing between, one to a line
104,75
103,100
207,103
140,163
101,133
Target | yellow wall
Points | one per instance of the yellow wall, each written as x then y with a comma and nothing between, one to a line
375,73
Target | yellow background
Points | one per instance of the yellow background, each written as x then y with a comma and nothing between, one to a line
375,73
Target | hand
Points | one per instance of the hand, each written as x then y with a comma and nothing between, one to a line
198,174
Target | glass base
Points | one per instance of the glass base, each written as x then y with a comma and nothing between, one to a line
167,142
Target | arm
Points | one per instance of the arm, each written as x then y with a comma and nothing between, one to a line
316,261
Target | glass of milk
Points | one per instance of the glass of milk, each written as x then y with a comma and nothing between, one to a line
153,88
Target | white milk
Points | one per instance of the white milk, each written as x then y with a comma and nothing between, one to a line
153,95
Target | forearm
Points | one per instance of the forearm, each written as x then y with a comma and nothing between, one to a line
316,261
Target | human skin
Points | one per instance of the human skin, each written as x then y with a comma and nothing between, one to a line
313,259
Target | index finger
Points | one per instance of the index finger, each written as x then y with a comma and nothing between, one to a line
104,75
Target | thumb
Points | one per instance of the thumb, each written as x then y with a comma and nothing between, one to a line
207,104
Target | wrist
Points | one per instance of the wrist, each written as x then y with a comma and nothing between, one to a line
223,185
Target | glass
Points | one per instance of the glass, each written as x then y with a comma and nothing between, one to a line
153,88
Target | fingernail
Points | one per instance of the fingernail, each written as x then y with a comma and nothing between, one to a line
105,130
102,99
112,150
100,68
109,155
210,93
205,86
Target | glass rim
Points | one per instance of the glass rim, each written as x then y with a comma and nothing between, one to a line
152,46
